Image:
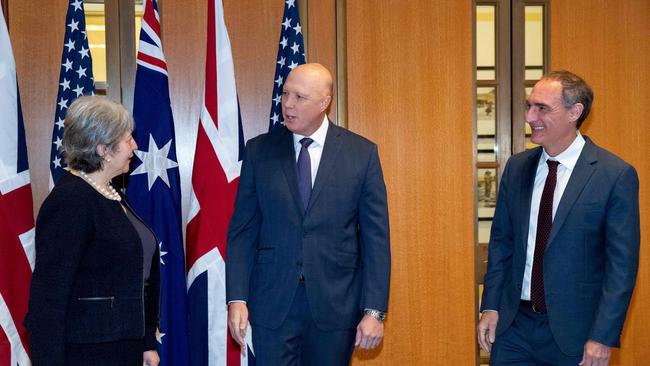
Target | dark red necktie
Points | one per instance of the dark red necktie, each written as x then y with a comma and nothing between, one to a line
544,224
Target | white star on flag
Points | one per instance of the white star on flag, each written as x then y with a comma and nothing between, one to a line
81,71
57,142
77,4
57,162
159,336
287,23
282,61
279,80
73,26
70,45
59,123
84,52
291,3
295,48
277,99
162,253
79,90
298,28
155,162
63,103
67,65
293,65
65,84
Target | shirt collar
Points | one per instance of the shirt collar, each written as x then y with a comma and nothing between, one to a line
318,136
569,157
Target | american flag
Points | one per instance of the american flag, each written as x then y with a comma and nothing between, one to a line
75,80
291,53
16,215
154,188
215,177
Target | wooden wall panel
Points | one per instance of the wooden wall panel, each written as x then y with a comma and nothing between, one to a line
608,46
321,37
37,41
410,91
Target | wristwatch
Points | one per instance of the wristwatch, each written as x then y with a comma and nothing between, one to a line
379,315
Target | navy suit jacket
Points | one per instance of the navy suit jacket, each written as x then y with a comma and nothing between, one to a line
592,255
340,243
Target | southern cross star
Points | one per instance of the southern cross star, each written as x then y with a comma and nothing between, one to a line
155,162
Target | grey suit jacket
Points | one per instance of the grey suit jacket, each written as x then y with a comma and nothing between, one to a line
591,259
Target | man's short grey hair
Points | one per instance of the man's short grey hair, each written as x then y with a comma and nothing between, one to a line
574,90
92,121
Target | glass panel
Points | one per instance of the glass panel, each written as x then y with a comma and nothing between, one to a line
535,73
487,192
486,74
484,230
529,144
486,123
96,28
485,42
534,42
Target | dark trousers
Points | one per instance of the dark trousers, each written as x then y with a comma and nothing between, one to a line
299,342
529,341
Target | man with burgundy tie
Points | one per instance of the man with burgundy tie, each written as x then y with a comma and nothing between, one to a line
308,253
564,245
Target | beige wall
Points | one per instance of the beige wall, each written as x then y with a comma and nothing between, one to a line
409,90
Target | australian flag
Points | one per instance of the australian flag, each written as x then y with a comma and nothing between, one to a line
291,53
154,184
75,79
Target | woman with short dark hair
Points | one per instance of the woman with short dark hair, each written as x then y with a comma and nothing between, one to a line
95,288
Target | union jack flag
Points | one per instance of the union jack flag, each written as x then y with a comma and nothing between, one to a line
291,53
16,215
215,177
154,188
75,80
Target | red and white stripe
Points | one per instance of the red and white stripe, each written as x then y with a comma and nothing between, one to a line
16,218
151,55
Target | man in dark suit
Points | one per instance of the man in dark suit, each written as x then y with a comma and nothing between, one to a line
564,246
308,254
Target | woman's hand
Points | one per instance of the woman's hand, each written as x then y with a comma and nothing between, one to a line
150,358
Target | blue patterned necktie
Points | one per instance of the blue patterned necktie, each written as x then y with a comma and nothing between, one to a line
544,225
304,171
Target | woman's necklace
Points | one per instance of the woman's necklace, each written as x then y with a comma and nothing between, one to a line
111,195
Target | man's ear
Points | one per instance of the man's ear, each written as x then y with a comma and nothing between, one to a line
325,103
575,111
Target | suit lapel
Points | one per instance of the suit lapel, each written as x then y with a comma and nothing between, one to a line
528,181
585,167
288,161
328,158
